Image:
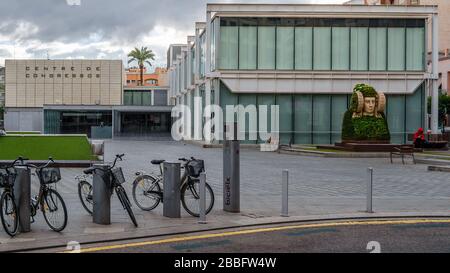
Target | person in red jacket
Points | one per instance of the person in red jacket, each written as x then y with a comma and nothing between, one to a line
419,139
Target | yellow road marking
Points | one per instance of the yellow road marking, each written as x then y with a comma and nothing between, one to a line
260,230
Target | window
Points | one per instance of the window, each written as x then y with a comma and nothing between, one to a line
415,49
147,98
265,100
203,54
322,48
266,47
341,48
396,117
414,113
213,44
396,49
286,111
377,49
303,48
338,109
247,47
229,47
192,65
285,48
303,119
359,48
321,121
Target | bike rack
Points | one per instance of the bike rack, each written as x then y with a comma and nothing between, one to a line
22,194
171,191
101,195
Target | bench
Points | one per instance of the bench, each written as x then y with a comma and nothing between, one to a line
439,142
404,150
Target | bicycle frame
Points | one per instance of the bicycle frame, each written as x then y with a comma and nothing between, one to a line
43,190
39,202
160,180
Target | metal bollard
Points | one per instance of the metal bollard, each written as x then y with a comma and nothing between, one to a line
231,177
369,190
22,194
285,194
202,219
102,196
172,194
231,169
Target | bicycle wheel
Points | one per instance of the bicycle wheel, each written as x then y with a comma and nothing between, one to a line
146,192
85,193
122,195
9,215
190,198
54,210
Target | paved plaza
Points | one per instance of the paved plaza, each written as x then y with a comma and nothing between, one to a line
318,187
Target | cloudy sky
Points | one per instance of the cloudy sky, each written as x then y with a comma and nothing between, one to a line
100,29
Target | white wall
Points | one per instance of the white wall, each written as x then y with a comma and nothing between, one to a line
23,120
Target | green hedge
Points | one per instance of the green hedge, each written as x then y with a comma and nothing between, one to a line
41,147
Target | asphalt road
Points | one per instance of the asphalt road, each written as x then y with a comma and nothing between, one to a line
385,236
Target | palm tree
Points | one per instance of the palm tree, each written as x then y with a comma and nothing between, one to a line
141,56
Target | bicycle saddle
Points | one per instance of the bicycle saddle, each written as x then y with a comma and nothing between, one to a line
89,171
157,162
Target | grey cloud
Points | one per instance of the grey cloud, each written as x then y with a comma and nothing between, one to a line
120,22
5,53
123,20
119,19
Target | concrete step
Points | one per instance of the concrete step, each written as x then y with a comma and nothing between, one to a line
439,168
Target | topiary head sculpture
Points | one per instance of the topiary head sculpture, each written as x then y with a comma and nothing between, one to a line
366,101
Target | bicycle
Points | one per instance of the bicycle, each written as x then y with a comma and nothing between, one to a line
117,179
49,201
85,192
8,209
148,188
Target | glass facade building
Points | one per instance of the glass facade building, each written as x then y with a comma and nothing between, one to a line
307,62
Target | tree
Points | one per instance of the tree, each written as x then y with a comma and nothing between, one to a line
141,56
444,107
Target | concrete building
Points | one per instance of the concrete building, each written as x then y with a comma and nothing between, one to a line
157,78
306,59
78,96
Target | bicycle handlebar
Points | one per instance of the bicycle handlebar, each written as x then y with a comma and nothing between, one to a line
50,160
92,169
21,159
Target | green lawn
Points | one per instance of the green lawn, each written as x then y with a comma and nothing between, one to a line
41,147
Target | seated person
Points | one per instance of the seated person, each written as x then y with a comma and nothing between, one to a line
419,139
